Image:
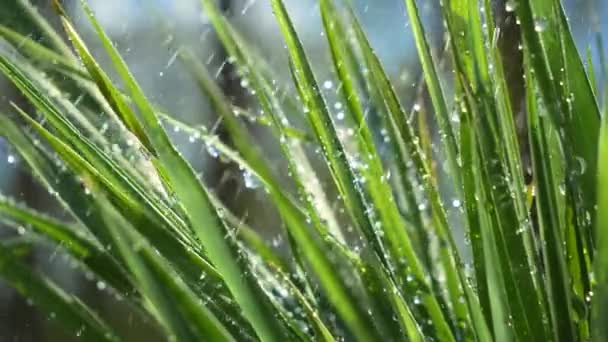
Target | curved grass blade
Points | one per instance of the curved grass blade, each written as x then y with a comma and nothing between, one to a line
375,179
119,184
82,249
114,97
187,261
296,157
47,30
70,190
203,217
410,145
40,53
66,129
337,291
177,308
73,314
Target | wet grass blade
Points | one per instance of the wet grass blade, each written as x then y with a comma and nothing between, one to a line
443,116
114,97
39,52
194,198
491,291
80,248
458,286
336,288
73,314
266,93
554,57
376,183
190,265
52,37
178,310
600,299
551,222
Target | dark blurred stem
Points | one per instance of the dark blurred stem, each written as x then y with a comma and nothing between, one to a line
226,179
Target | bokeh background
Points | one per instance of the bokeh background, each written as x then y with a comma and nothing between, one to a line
149,33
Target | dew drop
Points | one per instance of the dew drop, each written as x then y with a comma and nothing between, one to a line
540,25
101,285
511,6
582,164
80,331
11,159
251,182
213,152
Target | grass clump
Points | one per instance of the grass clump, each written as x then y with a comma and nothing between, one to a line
148,227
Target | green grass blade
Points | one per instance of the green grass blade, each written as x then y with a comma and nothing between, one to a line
183,257
175,305
267,95
39,52
600,299
491,292
114,97
375,182
49,34
336,289
554,57
432,81
73,314
82,249
499,155
203,217
550,221
449,253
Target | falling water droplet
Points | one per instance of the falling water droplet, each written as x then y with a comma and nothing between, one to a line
11,159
